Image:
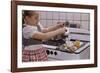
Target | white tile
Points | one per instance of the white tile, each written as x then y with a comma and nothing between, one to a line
76,16
49,22
69,16
85,16
55,15
85,25
62,20
49,15
55,21
42,15
43,22
77,22
71,22
62,15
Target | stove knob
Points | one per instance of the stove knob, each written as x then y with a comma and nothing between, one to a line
51,52
48,52
55,53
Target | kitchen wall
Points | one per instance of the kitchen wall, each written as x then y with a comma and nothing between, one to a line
48,18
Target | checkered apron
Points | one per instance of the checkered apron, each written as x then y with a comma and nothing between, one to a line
29,55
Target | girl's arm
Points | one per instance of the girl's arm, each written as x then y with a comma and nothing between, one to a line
48,35
54,27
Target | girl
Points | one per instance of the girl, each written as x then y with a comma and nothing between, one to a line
34,33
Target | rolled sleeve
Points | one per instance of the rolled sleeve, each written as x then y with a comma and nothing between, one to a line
29,31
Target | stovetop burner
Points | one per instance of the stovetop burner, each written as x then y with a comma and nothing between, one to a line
54,42
60,42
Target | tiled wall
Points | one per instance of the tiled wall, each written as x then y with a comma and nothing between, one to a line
51,18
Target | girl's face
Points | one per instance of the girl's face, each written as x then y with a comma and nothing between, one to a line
33,19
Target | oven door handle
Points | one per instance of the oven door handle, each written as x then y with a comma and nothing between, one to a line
82,48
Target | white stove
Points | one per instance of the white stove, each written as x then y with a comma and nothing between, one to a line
82,53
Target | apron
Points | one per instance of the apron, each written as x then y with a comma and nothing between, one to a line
31,53
31,41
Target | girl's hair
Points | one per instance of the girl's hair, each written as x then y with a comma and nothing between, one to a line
24,14
27,13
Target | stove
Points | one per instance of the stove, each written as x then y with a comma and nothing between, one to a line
75,34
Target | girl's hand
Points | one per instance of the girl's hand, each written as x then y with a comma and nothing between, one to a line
60,24
62,30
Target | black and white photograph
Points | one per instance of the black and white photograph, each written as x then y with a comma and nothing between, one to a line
52,37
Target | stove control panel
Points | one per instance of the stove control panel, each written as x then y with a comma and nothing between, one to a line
51,52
